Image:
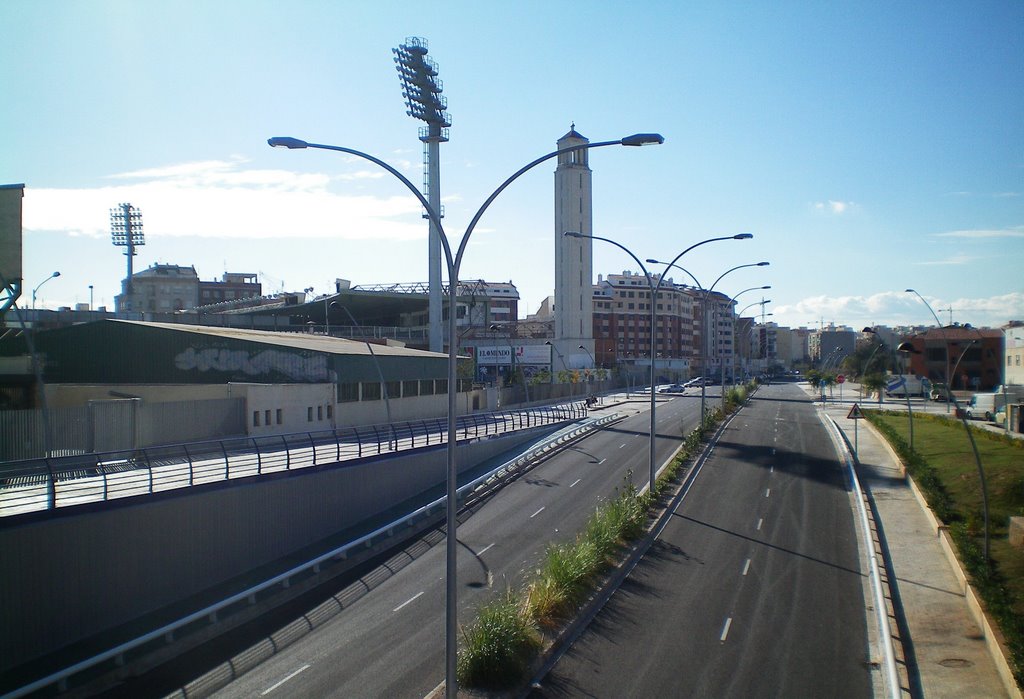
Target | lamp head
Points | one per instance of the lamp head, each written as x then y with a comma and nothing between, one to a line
869,330
907,347
574,234
763,264
643,139
767,287
910,291
652,261
743,236
286,142
55,274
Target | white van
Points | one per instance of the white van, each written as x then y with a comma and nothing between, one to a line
984,406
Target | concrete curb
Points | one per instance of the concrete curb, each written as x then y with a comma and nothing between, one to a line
993,637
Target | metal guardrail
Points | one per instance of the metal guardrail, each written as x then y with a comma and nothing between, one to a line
481,485
49,483
881,610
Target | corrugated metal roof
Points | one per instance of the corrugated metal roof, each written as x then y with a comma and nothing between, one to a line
305,341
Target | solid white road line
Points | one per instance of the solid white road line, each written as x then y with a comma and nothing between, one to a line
746,567
576,481
271,688
536,513
725,631
601,461
411,599
484,550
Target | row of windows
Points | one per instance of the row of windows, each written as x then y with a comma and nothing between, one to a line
1010,359
372,390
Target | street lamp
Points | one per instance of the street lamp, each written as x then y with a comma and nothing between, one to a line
52,276
593,363
454,262
654,297
908,347
762,304
704,315
945,342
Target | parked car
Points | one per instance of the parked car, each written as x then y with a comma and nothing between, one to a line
674,388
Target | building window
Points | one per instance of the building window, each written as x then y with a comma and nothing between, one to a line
330,412
348,392
371,391
410,389
319,413
255,418
426,387
394,389
309,414
280,416
266,416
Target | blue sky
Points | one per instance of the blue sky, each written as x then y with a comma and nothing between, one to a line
869,147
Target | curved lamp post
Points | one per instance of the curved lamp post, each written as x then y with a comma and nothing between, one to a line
593,362
704,315
762,304
945,342
454,262
52,276
732,302
910,349
654,305
380,373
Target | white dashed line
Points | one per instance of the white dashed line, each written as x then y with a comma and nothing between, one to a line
271,688
768,493
601,461
484,550
411,599
759,523
725,631
746,567
576,481
536,513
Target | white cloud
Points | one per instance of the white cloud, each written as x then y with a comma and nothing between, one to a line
834,207
899,308
221,199
1015,232
957,259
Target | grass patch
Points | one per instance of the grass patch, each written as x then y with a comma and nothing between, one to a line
500,645
943,465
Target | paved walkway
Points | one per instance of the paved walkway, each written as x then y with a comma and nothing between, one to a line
944,653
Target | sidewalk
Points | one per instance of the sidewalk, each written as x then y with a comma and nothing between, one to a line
944,651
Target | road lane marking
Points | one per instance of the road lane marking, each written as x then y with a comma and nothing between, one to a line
771,470
270,689
600,462
768,493
411,599
746,567
759,523
536,513
621,446
576,481
725,631
484,550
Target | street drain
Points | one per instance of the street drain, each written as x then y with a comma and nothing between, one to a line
955,662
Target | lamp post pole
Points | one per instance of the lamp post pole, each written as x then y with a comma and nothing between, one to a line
593,363
561,358
52,276
454,262
760,303
945,344
909,347
654,298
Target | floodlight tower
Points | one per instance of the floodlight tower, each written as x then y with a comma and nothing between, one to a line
421,89
126,231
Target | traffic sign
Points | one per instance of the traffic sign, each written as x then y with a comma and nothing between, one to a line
855,413
840,379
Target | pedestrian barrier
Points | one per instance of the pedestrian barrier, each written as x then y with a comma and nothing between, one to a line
62,481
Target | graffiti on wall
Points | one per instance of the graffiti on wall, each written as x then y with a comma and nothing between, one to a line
267,362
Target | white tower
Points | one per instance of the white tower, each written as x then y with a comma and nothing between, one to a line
574,304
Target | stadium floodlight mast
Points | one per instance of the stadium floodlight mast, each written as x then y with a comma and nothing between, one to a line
454,262
126,232
655,288
422,89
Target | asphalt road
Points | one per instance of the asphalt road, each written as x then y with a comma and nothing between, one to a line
383,634
753,589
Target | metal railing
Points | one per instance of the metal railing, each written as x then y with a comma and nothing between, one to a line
213,613
49,483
